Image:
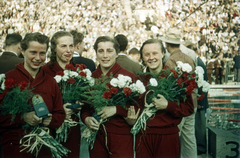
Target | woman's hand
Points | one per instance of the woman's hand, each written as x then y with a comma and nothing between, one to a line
92,123
68,111
47,120
132,116
107,112
32,119
160,103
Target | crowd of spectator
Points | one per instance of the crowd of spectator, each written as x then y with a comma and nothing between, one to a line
213,26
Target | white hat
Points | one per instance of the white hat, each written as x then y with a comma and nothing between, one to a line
172,36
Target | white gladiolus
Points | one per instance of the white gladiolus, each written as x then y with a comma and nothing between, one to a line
58,78
153,82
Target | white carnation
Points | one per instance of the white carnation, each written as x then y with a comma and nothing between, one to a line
73,74
179,64
186,68
3,86
199,70
153,82
88,72
91,81
125,79
2,76
114,82
206,86
133,87
122,83
140,86
65,77
58,78
66,72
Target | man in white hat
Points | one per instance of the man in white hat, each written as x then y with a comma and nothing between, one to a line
187,131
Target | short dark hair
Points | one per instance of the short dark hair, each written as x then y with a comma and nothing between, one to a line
38,37
134,50
106,39
12,39
77,37
122,41
150,41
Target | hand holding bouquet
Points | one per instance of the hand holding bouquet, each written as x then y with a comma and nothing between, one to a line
172,84
15,101
119,91
73,82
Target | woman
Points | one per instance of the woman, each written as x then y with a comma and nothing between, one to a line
62,49
116,140
34,46
162,133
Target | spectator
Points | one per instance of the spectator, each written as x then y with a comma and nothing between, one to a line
236,60
78,49
187,134
218,65
123,59
9,59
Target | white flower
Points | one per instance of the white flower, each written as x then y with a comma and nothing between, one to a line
114,82
124,80
88,72
186,68
65,77
73,74
199,70
153,82
179,64
2,77
200,83
122,83
3,86
91,81
206,86
58,78
140,86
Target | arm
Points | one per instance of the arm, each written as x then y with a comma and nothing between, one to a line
58,114
184,109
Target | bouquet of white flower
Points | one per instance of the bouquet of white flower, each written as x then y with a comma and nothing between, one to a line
73,82
120,91
173,84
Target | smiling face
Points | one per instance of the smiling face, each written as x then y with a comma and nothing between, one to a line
106,55
152,57
64,49
34,56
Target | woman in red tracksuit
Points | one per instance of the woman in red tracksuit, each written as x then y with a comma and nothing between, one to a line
161,138
117,141
34,47
62,49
